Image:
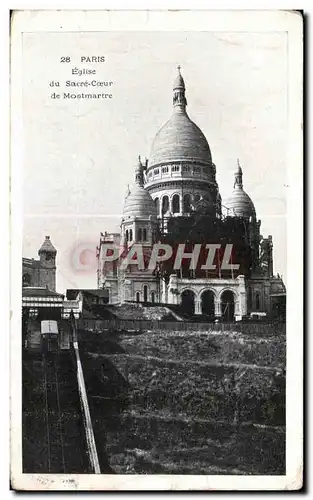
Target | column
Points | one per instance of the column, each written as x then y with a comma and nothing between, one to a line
217,308
173,295
237,307
164,292
198,306
243,304
241,299
266,297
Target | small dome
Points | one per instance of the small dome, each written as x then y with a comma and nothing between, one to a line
178,140
139,203
239,204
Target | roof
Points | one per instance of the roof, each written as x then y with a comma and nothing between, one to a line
31,291
139,203
180,139
31,263
47,246
72,293
239,204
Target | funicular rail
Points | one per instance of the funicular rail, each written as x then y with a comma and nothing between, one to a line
53,415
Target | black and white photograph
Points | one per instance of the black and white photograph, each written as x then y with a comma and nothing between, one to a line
157,175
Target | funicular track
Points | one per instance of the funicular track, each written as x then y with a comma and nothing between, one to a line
55,455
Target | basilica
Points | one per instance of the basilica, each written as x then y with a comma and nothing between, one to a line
176,200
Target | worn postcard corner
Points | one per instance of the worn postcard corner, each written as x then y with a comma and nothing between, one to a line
156,287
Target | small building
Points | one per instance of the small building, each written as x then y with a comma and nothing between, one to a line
73,306
85,301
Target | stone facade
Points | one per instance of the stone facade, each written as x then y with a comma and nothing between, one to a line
178,183
217,287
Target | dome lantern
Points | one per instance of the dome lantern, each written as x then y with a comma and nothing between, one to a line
179,98
139,173
238,176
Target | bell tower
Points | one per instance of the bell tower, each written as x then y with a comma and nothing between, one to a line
47,255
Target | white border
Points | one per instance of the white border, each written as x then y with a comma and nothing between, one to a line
173,20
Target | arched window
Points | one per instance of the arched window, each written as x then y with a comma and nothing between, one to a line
208,304
26,279
157,205
175,204
257,301
145,293
165,204
250,298
228,305
153,297
187,203
188,302
137,296
196,198
126,234
130,235
139,234
144,235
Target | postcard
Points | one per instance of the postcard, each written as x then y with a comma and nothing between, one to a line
156,243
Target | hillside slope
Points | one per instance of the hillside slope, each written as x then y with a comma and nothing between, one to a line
206,403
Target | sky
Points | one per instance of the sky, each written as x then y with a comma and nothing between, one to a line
79,156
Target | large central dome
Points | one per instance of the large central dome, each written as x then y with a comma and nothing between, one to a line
180,139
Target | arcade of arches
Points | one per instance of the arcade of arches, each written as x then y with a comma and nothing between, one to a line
209,305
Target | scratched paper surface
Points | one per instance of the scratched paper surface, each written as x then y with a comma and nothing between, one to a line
155,183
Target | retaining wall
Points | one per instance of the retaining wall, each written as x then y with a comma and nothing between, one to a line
141,325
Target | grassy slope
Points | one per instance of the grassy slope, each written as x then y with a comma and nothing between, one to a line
192,403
